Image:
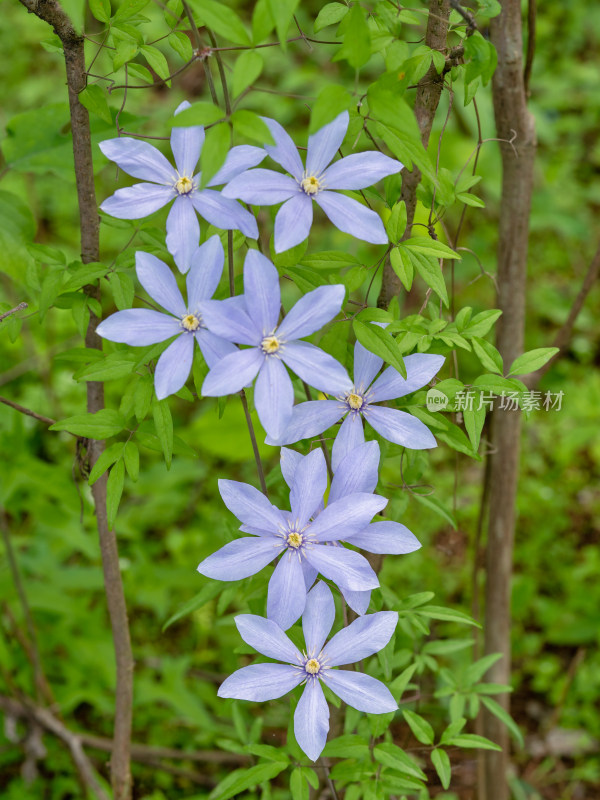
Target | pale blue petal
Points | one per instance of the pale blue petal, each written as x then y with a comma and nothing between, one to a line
344,567
324,144
366,366
316,367
312,311
260,682
137,201
251,506
318,618
173,366
261,187
310,574
311,720
205,272
181,107
358,601
350,436
400,427
186,144
293,221
232,373
239,559
347,516
360,170
224,213
287,593
308,488
238,159
284,151
213,348
230,321
289,460
361,638
361,691
261,292
420,369
273,396
158,280
138,327
386,537
183,232
267,638
358,471
310,419
140,160
352,217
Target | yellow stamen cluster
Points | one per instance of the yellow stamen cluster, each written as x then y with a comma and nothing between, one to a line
312,666
294,539
270,344
184,185
311,185
190,322
355,401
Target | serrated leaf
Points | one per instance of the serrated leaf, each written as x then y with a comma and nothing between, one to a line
247,68
163,422
421,729
330,14
94,99
222,20
241,779
114,490
441,762
532,360
101,425
377,341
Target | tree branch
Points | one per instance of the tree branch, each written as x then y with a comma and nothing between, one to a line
12,311
27,411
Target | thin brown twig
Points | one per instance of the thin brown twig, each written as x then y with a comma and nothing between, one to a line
27,411
12,311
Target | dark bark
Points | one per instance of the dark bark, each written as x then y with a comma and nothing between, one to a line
513,121
73,45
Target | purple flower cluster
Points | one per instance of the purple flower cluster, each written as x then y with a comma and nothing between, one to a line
248,340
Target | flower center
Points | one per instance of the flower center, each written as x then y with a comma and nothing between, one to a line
312,666
311,185
355,401
270,344
294,539
184,185
190,322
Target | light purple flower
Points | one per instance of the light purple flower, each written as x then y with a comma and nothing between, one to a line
358,471
273,345
165,183
313,417
297,537
360,639
315,182
143,326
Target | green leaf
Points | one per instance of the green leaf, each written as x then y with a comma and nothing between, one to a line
122,289
203,113
421,729
114,490
403,267
481,323
101,10
474,419
269,752
532,360
241,779
329,259
262,21
441,762
129,8
208,593
435,505
100,425
131,457
497,710
156,60
377,341
299,788
356,47
431,247
399,684
143,397
111,367
94,99
477,670
429,269
349,746
163,422
249,125
181,44
247,68
471,740
329,15
396,224
490,358
332,100
78,274
214,151
447,615
282,12
390,755
105,460
222,20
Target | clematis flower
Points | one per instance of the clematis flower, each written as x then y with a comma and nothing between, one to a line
316,665
299,537
358,471
315,416
144,326
273,345
315,182
164,183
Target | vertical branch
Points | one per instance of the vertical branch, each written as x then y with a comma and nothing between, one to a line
512,117
429,91
73,45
